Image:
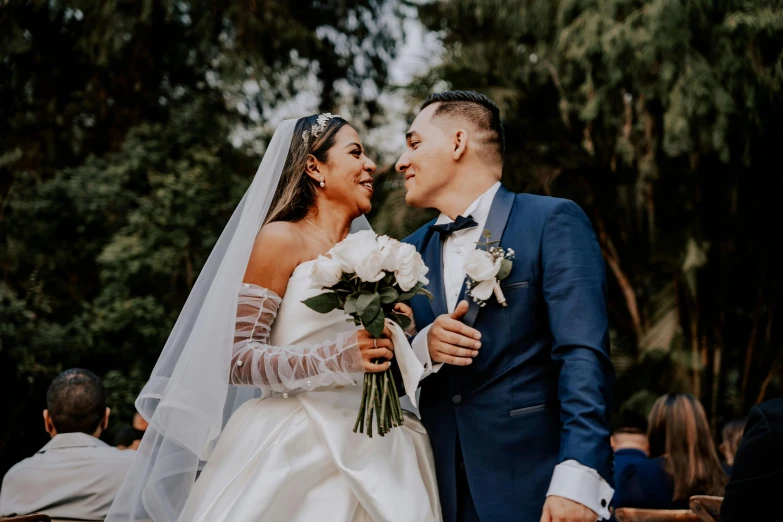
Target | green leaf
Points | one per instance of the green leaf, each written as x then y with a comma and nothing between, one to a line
323,303
368,306
350,303
426,293
388,295
376,324
505,269
407,296
401,319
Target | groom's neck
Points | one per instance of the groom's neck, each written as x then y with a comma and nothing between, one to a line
465,188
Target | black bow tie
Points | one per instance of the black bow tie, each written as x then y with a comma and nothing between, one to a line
460,223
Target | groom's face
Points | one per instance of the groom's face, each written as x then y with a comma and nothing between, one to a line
427,162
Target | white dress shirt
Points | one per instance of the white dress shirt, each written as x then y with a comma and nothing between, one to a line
570,479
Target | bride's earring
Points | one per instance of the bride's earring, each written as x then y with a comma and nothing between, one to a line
323,184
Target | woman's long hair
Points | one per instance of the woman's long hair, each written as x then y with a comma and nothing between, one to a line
296,191
678,431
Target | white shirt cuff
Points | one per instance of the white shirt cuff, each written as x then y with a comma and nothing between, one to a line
422,351
581,484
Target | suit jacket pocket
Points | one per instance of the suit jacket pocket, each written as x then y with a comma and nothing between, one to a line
529,409
514,284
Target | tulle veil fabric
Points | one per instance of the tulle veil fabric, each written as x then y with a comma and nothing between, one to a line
188,399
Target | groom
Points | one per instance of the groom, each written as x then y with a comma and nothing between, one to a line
517,399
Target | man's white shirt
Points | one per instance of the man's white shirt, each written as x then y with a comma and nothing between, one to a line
570,479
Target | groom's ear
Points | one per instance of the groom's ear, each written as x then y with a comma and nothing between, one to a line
459,143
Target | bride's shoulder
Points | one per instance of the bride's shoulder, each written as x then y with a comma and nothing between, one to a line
280,234
274,257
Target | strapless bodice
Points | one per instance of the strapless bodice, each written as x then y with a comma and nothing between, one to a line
296,323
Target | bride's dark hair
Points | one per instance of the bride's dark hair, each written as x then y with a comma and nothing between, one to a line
296,191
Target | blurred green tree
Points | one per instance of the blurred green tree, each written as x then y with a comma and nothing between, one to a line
662,119
129,131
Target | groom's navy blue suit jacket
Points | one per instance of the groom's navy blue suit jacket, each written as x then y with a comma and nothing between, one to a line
539,392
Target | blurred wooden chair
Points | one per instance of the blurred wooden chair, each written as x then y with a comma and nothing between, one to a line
707,507
35,517
656,515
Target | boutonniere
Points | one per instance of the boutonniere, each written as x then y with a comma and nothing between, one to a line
486,267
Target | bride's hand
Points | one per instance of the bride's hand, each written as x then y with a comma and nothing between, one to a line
373,349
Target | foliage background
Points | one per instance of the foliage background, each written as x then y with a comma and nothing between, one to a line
130,129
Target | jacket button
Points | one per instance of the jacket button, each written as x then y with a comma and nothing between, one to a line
603,502
457,399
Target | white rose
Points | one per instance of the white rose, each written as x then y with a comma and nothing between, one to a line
389,249
370,268
423,269
351,250
480,265
483,290
410,268
325,272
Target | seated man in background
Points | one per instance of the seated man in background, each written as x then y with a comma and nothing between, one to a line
629,441
74,475
753,493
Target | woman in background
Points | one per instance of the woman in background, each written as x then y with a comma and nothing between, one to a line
683,461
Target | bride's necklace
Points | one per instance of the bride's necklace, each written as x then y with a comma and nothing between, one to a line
321,231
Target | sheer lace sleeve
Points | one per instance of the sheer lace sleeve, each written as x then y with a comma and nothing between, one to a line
283,369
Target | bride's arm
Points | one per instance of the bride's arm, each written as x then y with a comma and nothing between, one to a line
286,368
303,367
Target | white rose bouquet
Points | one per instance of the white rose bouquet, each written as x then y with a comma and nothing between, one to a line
366,276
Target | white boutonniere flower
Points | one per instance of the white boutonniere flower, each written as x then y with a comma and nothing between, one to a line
485,268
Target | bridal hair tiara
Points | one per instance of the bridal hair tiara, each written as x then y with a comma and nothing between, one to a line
319,125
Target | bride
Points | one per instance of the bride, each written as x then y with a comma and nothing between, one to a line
252,402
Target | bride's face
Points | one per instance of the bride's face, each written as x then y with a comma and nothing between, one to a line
348,173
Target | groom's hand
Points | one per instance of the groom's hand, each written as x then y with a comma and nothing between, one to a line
452,342
560,509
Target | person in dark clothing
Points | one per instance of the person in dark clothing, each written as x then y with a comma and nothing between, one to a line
753,493
683,460
629,440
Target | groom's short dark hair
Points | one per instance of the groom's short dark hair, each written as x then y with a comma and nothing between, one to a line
475,107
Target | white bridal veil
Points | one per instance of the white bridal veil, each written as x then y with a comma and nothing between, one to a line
188,399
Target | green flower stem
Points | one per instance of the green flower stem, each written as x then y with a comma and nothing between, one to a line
381,427
396,401
359,425
373,389
388,401
369,423
378,417
383,422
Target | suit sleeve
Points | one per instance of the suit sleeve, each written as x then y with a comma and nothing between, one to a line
574,289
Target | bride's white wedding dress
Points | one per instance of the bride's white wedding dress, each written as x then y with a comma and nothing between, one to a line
292,456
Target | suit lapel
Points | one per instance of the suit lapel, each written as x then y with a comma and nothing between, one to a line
496,224
433,258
